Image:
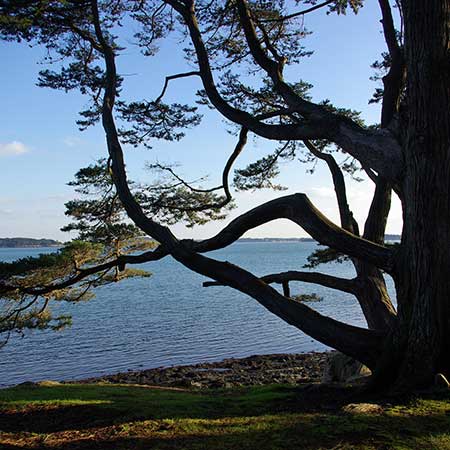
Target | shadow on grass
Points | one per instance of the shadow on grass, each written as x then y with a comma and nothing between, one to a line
309,433
89,417
69,407
50,420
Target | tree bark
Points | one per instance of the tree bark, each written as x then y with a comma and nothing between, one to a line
420,342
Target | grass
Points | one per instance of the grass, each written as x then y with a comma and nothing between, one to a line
89,417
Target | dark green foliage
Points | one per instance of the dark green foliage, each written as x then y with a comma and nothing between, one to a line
307,298
324,256
171,199
155,120
259,175
98,216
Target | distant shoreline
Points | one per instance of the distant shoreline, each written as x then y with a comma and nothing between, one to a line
37,243
28,243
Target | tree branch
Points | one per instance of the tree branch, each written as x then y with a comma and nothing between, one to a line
393,81
300,13
274,132
275,68
175,77
300,210
119,262
340,284
347,220
375,226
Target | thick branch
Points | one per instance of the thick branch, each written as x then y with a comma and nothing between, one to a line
329,281
394,79
375,226
390,34
274,68
379,151
300,210
269,131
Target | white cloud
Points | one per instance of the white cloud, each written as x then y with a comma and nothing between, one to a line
13,148
72,141
323,192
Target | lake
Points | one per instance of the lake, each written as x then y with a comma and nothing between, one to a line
170,319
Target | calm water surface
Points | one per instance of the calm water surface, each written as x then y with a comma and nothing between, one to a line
171,319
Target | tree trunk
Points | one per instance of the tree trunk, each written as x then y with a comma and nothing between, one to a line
420,344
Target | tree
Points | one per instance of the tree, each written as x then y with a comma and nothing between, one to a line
408,152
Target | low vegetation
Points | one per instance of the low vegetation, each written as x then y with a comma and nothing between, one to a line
76,416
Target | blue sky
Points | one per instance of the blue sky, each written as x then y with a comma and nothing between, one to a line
41,147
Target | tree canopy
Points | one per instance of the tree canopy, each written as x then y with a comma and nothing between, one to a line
239,50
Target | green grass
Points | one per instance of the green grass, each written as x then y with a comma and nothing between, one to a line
107,417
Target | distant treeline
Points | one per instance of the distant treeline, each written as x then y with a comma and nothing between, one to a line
268,239
28,242
387,237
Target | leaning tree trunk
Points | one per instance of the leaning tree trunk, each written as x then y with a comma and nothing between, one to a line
420,344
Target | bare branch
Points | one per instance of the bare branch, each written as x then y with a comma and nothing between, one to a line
187,184
175,77
274,68
275,132
237,151
300,13
370,173
225,182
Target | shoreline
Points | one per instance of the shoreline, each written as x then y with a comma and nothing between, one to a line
283,368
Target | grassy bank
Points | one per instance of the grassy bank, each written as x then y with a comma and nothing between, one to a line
270,417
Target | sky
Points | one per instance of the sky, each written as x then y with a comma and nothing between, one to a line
41,147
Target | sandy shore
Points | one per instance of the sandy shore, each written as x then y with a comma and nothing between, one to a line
254,370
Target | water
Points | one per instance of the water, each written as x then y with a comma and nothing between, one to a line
171,319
